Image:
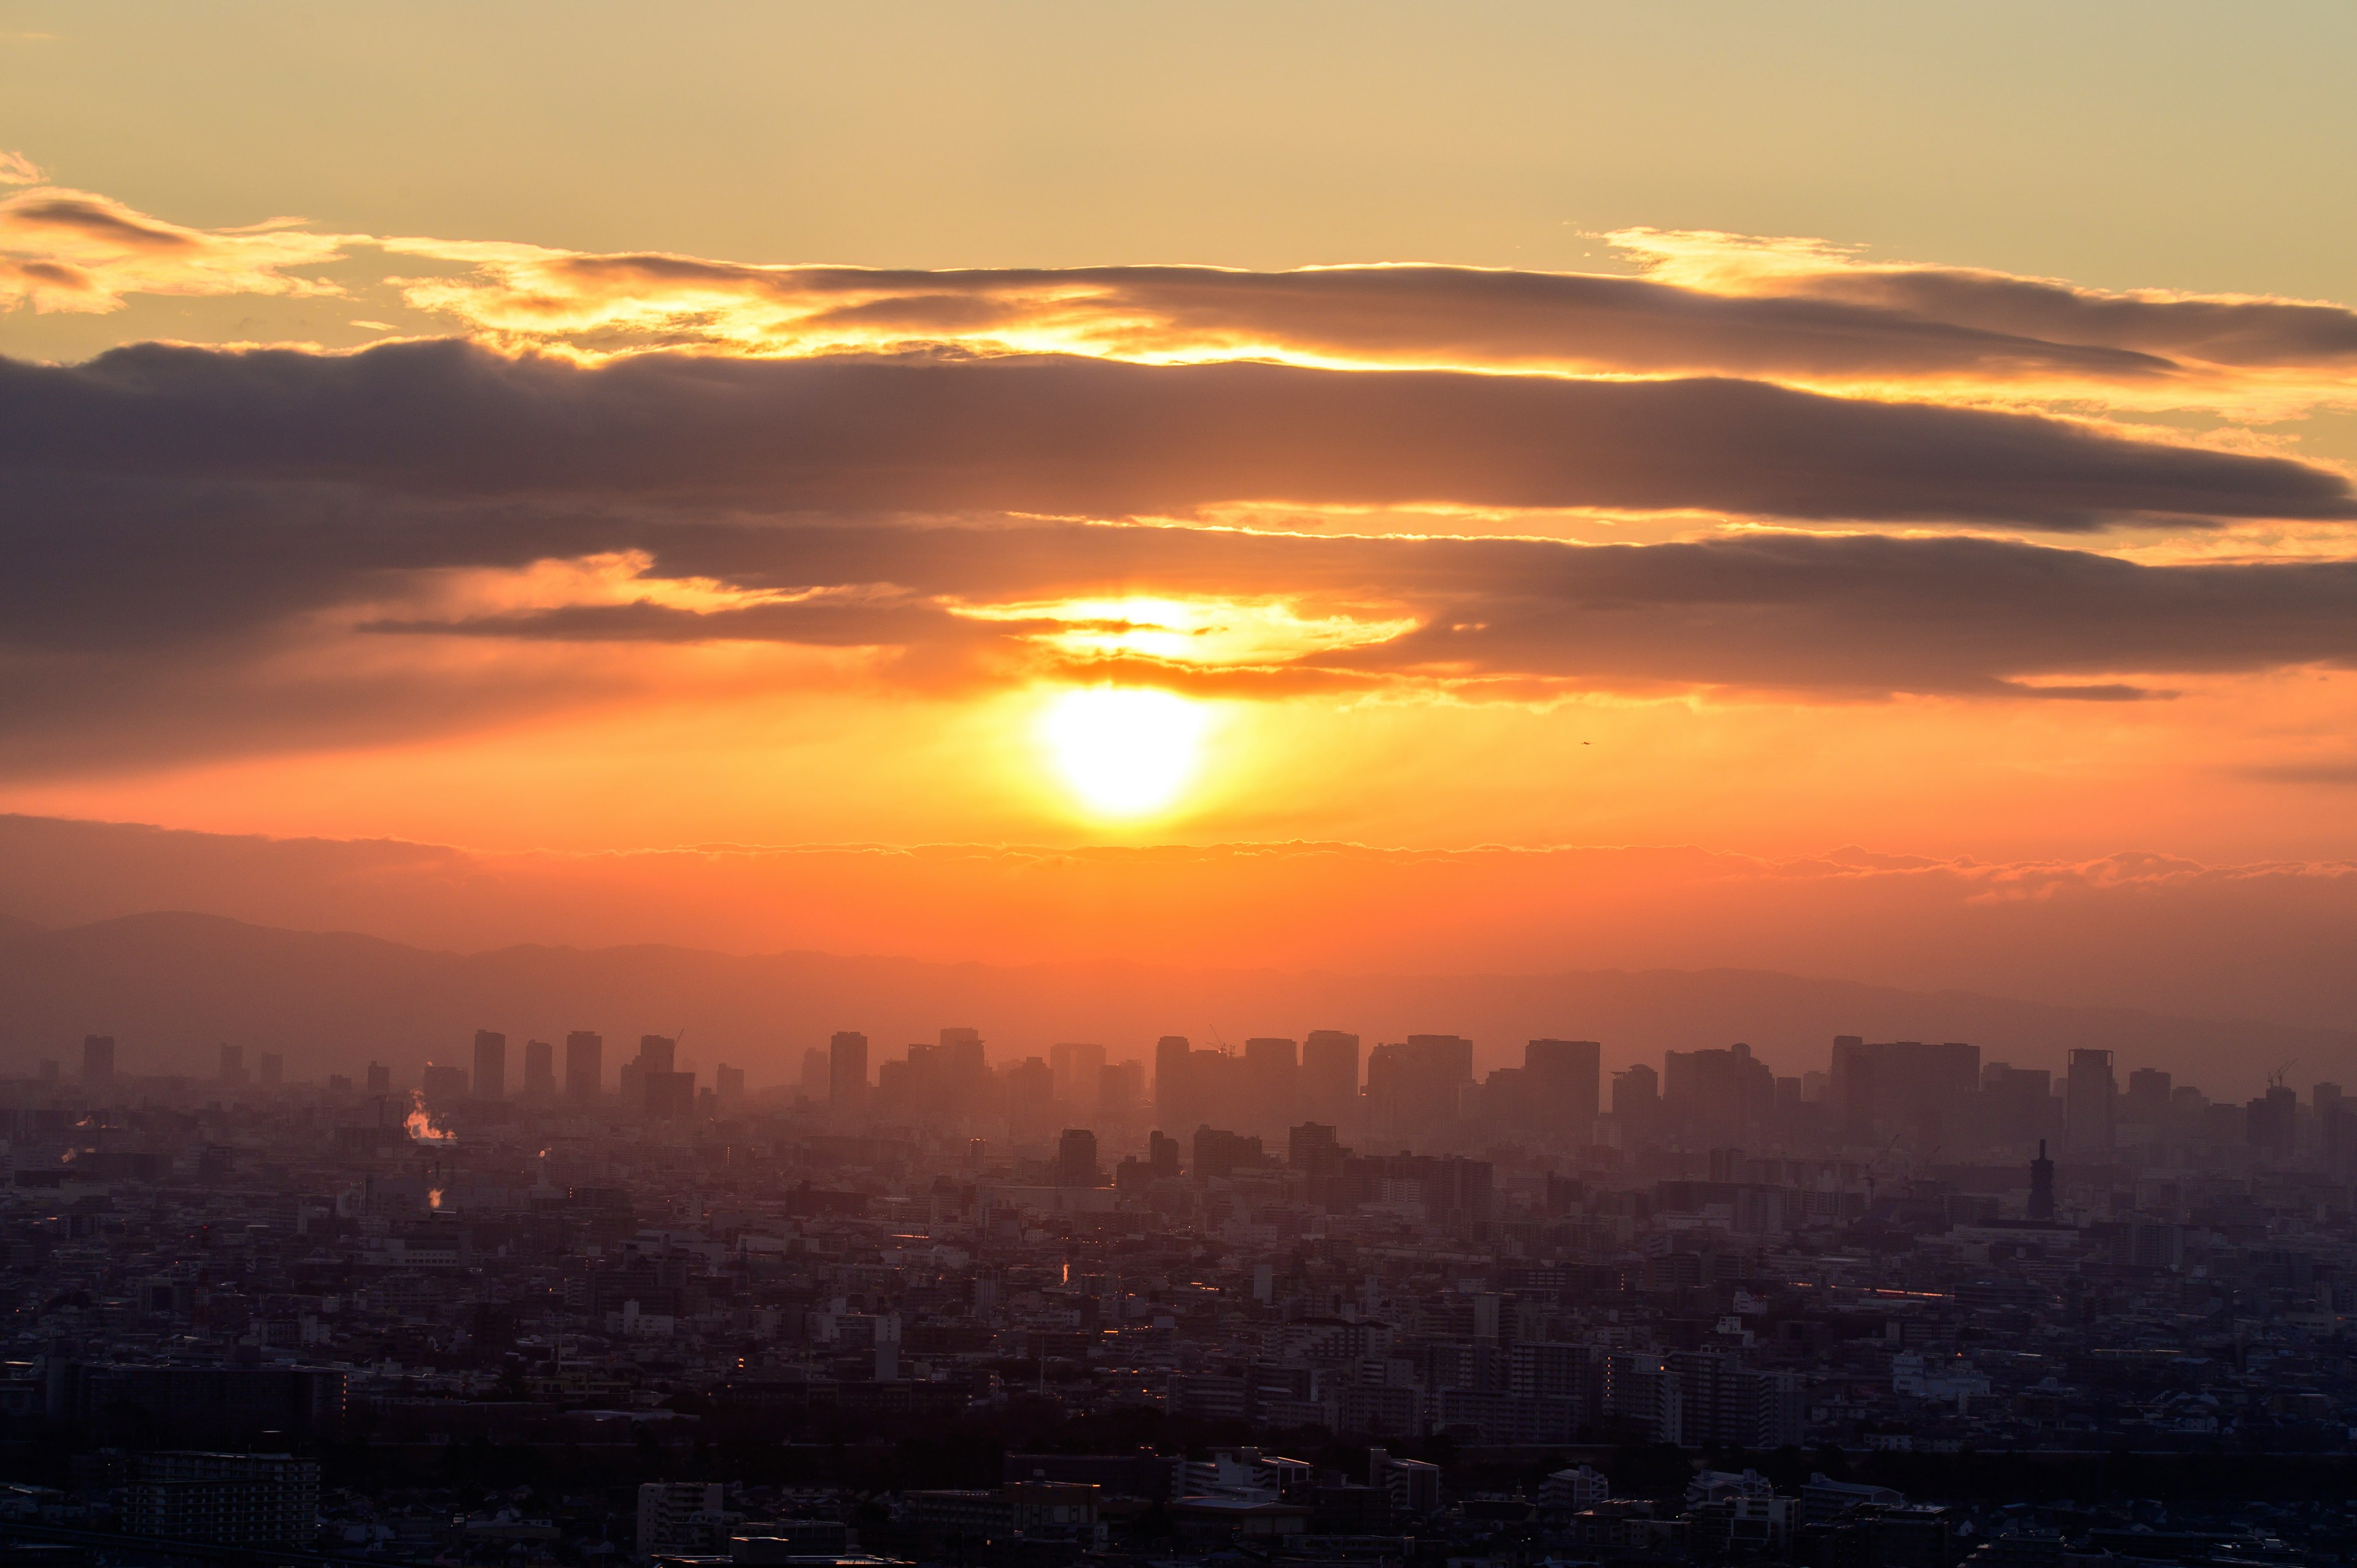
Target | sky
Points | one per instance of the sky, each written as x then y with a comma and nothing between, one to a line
1926,431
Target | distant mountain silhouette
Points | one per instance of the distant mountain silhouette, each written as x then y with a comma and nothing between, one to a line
169,986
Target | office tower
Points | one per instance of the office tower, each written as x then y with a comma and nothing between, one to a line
232,1063
2272,1121
1077,1068
1272,1076
1330,1075
1076,1158
2147,1100
2041,1186
728,1082
2089,1104
1162,1154
964,1057
98,1058
1313,1147
490,1065
846,1071
656,1053
379,1078
1030,1087
1637,1103
443,1084
1174,1100
1717,1097
274,1070
1911,1088
1562,1078
1121,1088
1219,1153
1414,1087
585,1065
539,1070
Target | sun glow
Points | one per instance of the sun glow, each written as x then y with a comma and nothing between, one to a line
1125,751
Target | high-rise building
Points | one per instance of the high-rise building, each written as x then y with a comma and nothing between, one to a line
1914,1088
379,1078
1717,1097
1030,1090
2041,1186
2272,1121
1076,1158
490,1065
657,1053
274,1070
98,1058
2146,1100
1330,1075
1414,1087
232,1063
1313,1147
2089,1104
585,1065
539,1070
728,1082
1078,1069
1563,1080
846,1071
1162,1154
1637,1103
1272,1078
1121,1088
443,1084
1174,1097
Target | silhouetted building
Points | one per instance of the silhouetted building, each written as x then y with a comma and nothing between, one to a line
728,1082
846,1071
1637,1103
1162,1154
2041,1186
490,1065
2089,1104
1220,1153
539,1070
1121,1088
1077,1070
1174,1100
442,1084
1272,1074
1563,1080
379,1078
98,1058
585,1065
1076,1158
1414,1087
1330,1075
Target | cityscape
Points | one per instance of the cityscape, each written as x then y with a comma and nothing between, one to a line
547,1304
1215,784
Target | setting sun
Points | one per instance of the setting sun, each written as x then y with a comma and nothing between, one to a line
1123,751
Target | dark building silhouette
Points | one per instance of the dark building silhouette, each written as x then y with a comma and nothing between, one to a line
2041,1186
490,1065
1330,1075
539,1070
846,1071
585,1065
1076,1158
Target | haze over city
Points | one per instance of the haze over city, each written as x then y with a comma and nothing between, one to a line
1097,786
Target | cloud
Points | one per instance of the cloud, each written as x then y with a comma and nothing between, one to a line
2229,331
1067,435
15,168
72,250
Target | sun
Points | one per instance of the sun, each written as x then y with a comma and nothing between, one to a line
1125,751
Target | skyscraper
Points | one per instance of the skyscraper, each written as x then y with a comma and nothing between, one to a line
657,1053
1564,1080
539,1070
1272,1071
490,1065
379,1078
1076,1158
98,1058
2089,1105
1173,1099
585,1064
846,1070
1077,1068
1330,1075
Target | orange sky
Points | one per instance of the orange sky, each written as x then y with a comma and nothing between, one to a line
552,531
